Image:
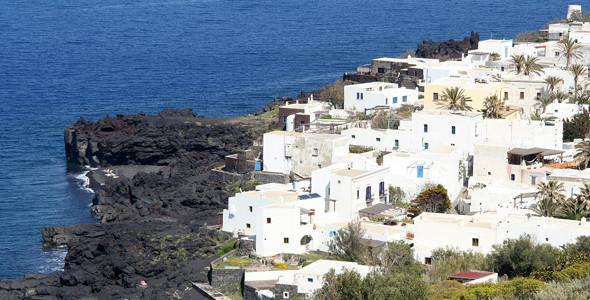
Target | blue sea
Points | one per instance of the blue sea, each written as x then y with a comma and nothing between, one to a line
65,59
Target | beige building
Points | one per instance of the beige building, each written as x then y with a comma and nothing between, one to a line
476,90
524,92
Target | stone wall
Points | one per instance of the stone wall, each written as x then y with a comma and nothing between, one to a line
226,279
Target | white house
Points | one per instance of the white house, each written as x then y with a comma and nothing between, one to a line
440,164
481,231
286,152
562,111
307,279
383,139
444,127
359,97
263,216
348,189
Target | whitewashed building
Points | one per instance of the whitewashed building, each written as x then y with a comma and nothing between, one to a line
359,97
286,152
349,188
480,232
445,165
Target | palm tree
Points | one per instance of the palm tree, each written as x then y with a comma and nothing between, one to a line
552,190
569,50
574,209
493,105
585,194
577,71
546,100
546,208
552,82
560,96
518,62
531,66
454,99
583,153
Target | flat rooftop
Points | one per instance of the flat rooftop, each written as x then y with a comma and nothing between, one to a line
350,173
441,112
307,134
276,195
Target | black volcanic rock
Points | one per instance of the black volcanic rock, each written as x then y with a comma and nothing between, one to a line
447,49
154,191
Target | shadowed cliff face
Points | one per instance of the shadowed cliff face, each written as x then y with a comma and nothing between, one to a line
152,211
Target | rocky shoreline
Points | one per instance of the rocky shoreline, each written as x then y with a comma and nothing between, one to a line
155,192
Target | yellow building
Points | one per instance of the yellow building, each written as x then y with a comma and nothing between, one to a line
476,90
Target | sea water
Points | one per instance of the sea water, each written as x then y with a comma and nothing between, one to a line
65,59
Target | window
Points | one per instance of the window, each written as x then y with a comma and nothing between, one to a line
425,127
397,143
378,139
285,295
502,69
380,70
521,95
405,99
415,74
361,96
302,123
425,146
556,53
315,152
267,220
512,177
250,207
394,100
332,233
358,96
358,193
475,242
286,240
533,180
247,225
420,171
428,260
452,129
285,120
309,279
546,239
505,95
489,173
319,166
435,96
353,136
538,95
368,193
385,101
381,188
452,144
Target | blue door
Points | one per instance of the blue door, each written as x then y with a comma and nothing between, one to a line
368,193
420,171
381,188
257,166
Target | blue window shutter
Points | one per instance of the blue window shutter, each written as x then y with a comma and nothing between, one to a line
420,171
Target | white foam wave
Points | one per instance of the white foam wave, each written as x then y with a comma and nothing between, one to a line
54,260
83,181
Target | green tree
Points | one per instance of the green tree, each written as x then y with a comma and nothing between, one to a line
433,199
397,196
348,243
396,257
346,285
545,100
561,96
493,106
553,190
334,93
569,50
518,62
394,286
574,208
521,257
531,66
583,153
454,98
577,71
577,127
447,261
552,82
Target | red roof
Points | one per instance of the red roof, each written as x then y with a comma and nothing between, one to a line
470,275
